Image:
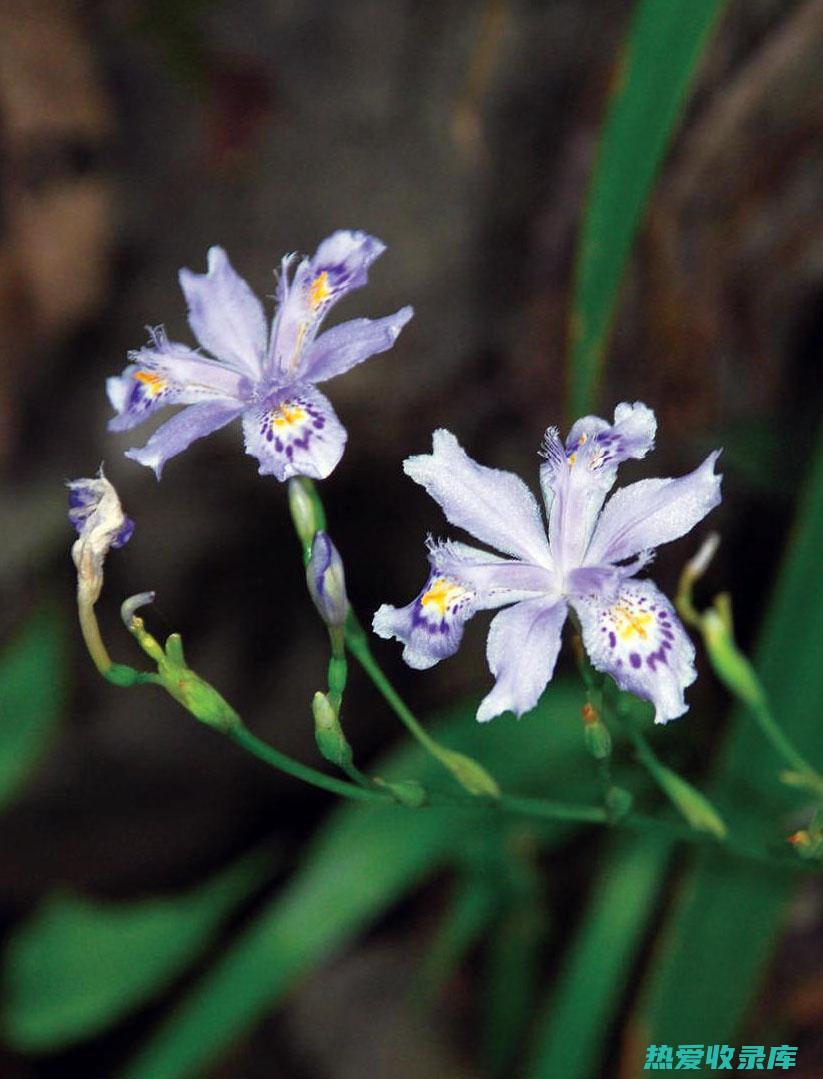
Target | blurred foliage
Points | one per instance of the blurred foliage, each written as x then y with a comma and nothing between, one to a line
80,965
32,697
724,927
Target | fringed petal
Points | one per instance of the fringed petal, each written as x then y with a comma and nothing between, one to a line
431,626
639,640
178,433
522,649
650,512
225,316
339,266
494,506
295,432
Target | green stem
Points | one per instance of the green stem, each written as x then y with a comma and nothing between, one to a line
273,757
359,647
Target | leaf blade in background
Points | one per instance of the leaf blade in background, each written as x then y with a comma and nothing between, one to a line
662,51
78,965
32,694
725,924
583,1004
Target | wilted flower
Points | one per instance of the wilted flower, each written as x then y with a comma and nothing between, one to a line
589,560
96,513
267,377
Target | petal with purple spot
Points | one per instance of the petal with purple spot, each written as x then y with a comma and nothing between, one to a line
494,506
294,432
224,314
522,649
339,266
431,626
645,514
165,373
576,478
640,642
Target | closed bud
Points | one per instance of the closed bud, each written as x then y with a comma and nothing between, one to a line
327,582
328,734
598,740
306,512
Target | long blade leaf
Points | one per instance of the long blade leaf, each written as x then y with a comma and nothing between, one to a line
664,45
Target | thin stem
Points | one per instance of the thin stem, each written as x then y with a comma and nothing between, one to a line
783,745
359,647
91,635
273,757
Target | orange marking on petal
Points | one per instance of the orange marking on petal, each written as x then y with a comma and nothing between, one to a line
153,382
286,415
441,594
631,623
319,291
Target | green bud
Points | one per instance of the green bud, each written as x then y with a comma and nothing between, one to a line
693,805
618,803
328,734
732,667
199,698
306,512
471,776
598,740
408,792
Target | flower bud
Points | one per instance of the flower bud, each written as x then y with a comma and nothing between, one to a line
327,582
328,733
306,511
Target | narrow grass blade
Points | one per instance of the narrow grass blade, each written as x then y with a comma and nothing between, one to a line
664,46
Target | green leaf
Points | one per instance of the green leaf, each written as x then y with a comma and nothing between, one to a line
664,46
581,1009
729,914
32,692
79,965
363,861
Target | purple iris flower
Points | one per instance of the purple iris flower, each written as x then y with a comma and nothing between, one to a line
266,376
588,560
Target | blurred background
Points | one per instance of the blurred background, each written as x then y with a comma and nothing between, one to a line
134,134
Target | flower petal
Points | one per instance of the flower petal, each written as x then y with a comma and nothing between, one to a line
640,642
295,432
522,650
576,478
165,373
178,433
344,346
339,266
431,626
494,506
225,316
645,514
101,524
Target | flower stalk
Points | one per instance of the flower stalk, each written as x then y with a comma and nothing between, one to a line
735,670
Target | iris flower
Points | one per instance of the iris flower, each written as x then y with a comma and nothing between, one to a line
588,559
267,377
